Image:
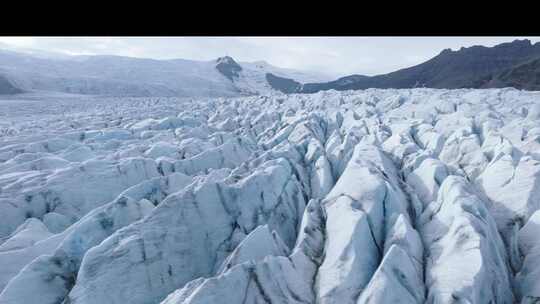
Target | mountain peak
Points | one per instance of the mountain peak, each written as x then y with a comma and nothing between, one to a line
522,42
447,51
228,67
225,60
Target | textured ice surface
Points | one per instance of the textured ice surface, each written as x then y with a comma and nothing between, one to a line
374,196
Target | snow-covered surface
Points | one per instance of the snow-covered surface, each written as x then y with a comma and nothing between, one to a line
35,71
252,78
375,196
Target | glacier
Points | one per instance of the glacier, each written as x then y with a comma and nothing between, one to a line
370,196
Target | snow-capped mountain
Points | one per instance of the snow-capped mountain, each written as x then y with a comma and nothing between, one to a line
252,78
369,196
32,71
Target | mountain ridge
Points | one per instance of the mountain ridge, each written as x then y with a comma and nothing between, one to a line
111,75
511,64
471,67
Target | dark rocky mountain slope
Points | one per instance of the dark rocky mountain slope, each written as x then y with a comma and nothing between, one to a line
6,87
506,64
523,76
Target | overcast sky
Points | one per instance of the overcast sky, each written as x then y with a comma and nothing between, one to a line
333,56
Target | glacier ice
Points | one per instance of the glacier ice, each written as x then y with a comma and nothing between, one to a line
370,196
